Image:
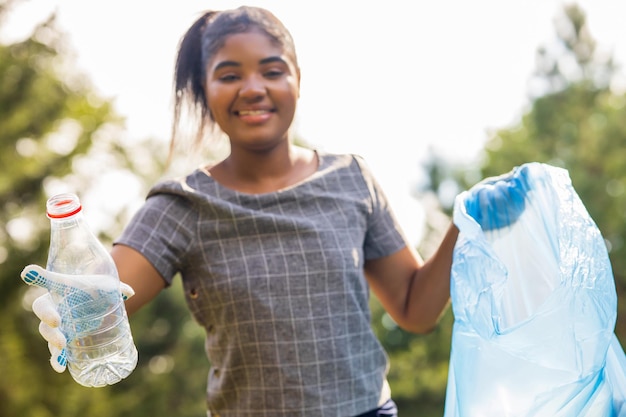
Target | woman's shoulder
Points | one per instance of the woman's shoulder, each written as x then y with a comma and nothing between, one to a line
338,160
184,187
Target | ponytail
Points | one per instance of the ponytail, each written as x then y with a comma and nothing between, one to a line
189,81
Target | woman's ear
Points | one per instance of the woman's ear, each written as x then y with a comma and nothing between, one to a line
298,75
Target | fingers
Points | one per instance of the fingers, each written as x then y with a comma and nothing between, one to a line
52,281
32,275
46,311
62,283
126,290
52,335
498,202
58,358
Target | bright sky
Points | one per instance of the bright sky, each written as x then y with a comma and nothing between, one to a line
385,80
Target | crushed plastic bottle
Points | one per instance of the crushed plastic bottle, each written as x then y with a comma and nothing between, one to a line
83,282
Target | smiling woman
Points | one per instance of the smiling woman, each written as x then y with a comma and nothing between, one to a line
278,246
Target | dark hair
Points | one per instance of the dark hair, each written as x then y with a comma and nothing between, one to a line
198,46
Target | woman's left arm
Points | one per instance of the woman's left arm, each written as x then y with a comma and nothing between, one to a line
414,293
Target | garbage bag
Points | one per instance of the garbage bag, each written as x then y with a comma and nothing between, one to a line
534,303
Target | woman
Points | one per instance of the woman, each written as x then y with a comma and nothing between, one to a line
277,245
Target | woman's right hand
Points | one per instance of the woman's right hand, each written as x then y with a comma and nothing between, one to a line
46,310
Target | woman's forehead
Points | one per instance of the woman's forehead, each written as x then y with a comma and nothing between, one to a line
254,45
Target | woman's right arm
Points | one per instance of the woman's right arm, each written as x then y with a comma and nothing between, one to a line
135,270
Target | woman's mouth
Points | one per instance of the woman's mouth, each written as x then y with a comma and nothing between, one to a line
254,116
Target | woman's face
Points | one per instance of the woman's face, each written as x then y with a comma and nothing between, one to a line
252,88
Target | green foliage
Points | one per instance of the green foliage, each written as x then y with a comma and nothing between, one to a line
575,120
580,125
173,367
35,105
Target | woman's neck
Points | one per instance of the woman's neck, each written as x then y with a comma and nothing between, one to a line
264,172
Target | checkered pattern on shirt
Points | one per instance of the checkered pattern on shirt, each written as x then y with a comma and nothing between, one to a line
277,282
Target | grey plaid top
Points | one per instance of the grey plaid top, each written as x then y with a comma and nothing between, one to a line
277,282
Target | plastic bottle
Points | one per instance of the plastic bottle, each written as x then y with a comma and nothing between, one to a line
100,348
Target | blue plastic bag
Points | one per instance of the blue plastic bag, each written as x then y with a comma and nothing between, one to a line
534,302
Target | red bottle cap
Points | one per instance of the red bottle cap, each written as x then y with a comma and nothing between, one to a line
62,206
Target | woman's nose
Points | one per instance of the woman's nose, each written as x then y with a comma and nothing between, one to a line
252,87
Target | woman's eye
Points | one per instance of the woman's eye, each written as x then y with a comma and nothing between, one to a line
228,77
274,73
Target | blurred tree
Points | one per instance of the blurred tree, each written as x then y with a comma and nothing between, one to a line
57,134
577,120
44,124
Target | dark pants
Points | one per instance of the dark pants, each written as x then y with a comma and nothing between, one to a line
388,409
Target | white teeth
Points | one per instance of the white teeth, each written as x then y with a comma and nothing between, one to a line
251,112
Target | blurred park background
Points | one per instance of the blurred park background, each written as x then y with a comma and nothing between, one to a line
58,132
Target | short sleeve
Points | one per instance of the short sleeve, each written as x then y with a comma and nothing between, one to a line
162,230
384,235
